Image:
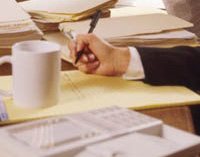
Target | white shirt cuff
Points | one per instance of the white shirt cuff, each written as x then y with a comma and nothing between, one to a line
135,69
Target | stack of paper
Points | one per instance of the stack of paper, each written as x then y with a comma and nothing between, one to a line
139,30
164,39
130,11
150,3
81,92
51,25
138,3
15,25
54,11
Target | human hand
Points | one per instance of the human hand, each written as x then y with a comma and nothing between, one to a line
100,57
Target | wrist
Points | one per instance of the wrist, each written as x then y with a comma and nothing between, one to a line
121,61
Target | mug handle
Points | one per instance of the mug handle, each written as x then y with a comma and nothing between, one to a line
5,59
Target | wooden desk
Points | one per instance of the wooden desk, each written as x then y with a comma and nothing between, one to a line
179,117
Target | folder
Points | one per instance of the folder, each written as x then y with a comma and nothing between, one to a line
81,92
166,38
65,10
49,25
130,25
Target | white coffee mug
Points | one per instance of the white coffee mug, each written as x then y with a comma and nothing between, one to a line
36,73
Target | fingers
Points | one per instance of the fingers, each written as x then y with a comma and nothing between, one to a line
89,68
88,57
88,40
84,59
83,42
91,57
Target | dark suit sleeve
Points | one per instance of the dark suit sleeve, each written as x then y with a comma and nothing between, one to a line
171,66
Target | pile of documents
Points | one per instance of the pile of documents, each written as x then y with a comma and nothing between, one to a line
15,25
164,39
138,3
49,13
139,30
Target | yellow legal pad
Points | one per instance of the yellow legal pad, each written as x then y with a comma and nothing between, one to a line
82,92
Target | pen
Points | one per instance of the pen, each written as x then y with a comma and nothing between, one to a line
92,26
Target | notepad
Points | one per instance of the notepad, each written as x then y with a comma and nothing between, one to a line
81,92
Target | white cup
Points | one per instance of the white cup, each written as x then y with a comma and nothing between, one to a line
36,73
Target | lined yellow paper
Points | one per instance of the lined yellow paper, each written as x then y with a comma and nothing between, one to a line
82,92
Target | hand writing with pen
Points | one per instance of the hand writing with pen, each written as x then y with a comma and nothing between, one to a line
99,57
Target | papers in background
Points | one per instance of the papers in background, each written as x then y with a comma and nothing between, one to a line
49,25
149,3
60,39
164,39
64,10
130,11
125,3
15,25
69,7
81,92
139,30
7,8
129,25
138,3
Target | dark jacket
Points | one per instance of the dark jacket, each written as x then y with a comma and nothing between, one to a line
172,66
